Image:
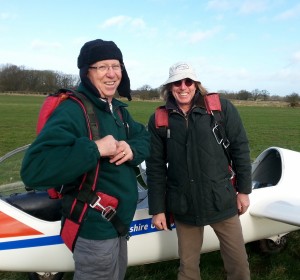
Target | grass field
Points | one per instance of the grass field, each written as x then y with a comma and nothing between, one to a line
265,125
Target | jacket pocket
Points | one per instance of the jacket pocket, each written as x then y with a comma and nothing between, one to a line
224,196
176,202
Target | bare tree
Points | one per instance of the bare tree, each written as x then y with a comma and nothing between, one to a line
293,99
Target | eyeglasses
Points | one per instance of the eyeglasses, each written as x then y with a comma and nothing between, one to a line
188,82
105,68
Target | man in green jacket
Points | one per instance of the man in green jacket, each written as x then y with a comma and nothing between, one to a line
62,153
188,175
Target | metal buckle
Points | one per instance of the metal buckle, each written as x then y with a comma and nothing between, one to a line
97,203
107,212
226,143
214,130
219,138
232,172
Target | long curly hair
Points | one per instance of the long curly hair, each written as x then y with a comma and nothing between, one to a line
165,90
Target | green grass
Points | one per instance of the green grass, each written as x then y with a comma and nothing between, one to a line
18,115
270,126
266,126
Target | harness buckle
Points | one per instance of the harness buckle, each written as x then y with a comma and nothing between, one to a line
226,143
233,174
107,212
97,203
217,134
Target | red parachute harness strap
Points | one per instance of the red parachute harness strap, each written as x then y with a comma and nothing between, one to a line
86,196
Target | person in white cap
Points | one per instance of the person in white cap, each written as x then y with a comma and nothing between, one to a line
188,176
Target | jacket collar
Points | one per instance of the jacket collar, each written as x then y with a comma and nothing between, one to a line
100,102
197,106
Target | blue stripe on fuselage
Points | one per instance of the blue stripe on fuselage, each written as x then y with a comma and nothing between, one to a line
137,227
33,242
144,226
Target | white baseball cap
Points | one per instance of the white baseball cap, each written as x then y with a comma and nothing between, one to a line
180,71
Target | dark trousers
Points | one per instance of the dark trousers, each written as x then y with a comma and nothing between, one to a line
232,248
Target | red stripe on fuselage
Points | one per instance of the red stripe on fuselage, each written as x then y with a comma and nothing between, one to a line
10,227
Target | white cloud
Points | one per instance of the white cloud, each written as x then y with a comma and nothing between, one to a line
253,6
199,36
242,7
290,13
296,56
219,5
121,21
115,21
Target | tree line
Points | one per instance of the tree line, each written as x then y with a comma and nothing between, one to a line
19,79
15,78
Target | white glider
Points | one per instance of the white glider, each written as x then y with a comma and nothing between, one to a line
30,221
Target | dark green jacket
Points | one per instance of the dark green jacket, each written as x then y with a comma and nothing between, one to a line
187,172
62,153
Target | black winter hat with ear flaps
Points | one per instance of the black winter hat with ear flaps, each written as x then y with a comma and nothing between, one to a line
98,50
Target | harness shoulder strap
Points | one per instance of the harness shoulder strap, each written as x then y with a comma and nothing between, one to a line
161,117
213,107
162,121
90,116
87,195
120,111
71,225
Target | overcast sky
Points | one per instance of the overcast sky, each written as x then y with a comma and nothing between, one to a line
233,44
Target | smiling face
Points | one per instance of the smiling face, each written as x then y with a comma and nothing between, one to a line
184,92
106,76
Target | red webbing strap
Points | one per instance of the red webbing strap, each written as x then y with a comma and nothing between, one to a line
69,233
161,117
54,194
71,225
162,122
212,102
86,194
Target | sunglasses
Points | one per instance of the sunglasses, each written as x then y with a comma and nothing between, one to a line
188,82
